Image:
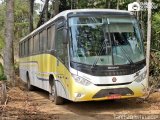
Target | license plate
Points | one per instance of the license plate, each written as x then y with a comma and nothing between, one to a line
114,96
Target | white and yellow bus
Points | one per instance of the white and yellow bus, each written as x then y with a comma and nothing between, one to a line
85,55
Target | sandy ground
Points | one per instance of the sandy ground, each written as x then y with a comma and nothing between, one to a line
35,105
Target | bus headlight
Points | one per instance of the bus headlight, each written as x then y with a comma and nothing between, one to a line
141,77
81,80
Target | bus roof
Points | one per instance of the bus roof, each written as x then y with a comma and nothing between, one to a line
66,12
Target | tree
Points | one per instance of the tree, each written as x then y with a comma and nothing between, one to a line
46,10
156,32
44,14
21,23
56,7
63,5
2,19
148,36
31,15
8,49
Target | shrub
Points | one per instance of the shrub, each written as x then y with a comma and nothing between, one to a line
155,69
2,76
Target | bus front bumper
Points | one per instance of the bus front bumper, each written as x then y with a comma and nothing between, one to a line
95,93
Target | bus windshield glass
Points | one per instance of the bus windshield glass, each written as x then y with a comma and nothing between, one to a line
105,40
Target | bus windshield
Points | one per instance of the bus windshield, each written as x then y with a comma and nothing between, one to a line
105,40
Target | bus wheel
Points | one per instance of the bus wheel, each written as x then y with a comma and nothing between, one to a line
53,94
29,86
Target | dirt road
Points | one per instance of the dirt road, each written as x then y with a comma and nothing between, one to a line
36,105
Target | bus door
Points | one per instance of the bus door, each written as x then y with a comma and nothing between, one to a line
61,51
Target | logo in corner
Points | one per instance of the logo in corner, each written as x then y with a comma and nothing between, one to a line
114,79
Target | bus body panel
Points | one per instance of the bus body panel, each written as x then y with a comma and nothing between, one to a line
68,88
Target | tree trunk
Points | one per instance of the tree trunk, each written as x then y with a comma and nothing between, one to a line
74,3
56,7
46,10
138,11
109,4
3,92
44,14
31,2
63,5
8,49
142,24
148,36
118,4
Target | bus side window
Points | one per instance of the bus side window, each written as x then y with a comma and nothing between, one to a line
51,37
23,47
44,40
20,49
26,47
59,44
41,39
48,38
36,43
30,46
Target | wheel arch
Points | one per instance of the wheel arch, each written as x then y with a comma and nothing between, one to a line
27,76
51,81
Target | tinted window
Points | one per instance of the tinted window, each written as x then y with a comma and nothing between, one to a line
53,37
20,49
23,47
30,46
49,38
41,39
44,40
59,44
26,47
36,43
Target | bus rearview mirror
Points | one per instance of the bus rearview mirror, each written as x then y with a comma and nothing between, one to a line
65,36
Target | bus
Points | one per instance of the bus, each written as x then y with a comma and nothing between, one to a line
86,55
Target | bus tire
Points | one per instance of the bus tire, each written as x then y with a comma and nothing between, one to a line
29,86
53,94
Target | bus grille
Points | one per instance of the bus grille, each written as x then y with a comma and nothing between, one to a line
109,92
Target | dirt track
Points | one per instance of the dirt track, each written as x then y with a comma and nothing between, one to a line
35,105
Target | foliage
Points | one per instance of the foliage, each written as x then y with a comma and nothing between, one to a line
2,19
156,31
22,21
2,76
123,4
155,69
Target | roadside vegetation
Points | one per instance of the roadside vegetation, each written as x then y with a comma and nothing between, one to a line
22,14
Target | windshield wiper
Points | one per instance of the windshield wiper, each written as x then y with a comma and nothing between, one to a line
104,45
124,52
